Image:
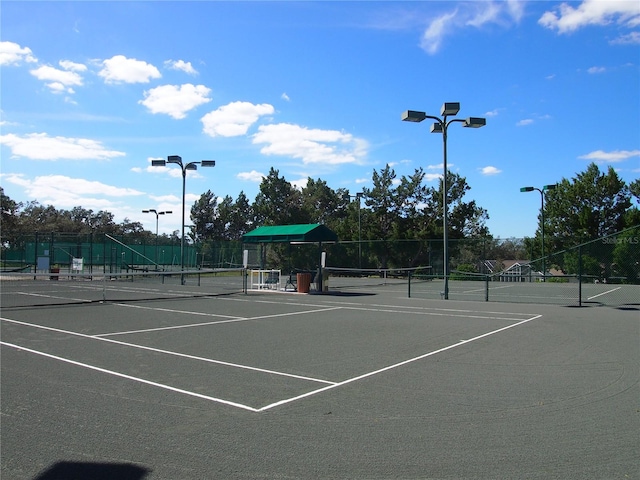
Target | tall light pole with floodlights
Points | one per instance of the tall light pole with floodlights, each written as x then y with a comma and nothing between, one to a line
176,159
153,210
441,125
544,189
358,196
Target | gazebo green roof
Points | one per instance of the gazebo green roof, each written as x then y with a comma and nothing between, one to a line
307,233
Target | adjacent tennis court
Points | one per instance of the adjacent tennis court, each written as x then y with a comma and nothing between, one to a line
186,380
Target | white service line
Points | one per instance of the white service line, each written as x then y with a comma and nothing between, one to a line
604,293
231,320
168,352
395,365
400,309
129,377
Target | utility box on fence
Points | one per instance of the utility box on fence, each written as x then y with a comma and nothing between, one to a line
304,282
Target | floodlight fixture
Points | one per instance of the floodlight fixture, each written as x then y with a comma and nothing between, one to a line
413,116
177,159
541,190
158,163
450,108
440,126
474,122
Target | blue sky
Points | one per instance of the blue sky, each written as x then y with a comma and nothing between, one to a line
92,91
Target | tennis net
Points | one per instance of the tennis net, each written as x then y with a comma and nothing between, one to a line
19,289
353,278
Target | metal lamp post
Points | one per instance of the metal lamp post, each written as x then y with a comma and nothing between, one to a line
358,196
441,125
544,189
176,159
153,210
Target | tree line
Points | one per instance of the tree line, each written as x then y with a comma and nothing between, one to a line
590,205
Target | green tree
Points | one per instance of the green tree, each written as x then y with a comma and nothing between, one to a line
9,219
591,205
626,255
319,202
278,202
207,224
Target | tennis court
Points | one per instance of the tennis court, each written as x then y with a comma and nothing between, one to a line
190,381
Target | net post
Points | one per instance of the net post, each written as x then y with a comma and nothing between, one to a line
486,288
409,285
580,275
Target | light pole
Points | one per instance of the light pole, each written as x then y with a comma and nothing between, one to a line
153,210
441,126
544,189
358,196
184,166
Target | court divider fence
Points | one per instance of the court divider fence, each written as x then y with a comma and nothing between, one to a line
601,271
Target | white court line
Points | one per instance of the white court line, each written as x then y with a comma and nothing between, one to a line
604,293
396,309
231,320
84,300
395,365
168,352
275,404
129,377
476,290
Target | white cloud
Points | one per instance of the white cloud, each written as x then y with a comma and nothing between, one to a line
312,146
73,66
434,34
470,14
489,170
567,19
431,177
285,97
13,54
594,70
252,176
59,80
175,101
632,38
40,146
67,192
300,183
600,156
120,69
525,122
181,65
234,119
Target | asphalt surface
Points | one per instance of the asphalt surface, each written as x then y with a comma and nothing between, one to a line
371,385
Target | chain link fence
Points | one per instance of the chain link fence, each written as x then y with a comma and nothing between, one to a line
604,271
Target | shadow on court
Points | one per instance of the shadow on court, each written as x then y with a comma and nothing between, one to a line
93,471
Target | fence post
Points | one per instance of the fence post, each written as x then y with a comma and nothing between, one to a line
409,286
579,275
